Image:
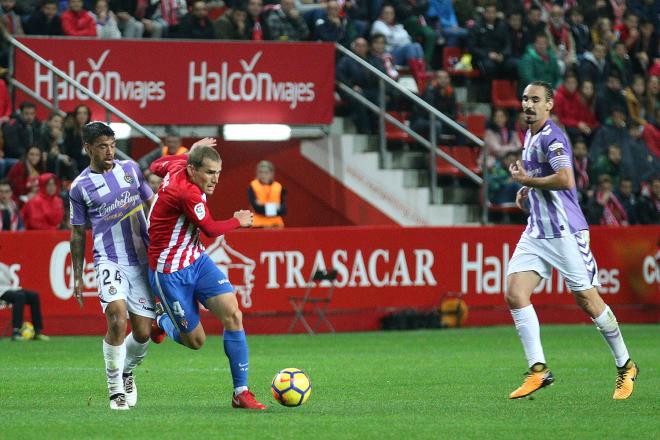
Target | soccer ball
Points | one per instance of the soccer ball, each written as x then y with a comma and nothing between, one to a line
291,387
27,330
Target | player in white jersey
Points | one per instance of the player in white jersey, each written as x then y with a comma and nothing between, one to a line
556,236
111,195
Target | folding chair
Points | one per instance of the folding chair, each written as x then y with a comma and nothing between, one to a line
319,302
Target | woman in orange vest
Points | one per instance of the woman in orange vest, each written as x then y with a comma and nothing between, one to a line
267,197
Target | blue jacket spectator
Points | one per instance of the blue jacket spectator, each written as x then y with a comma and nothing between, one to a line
443,15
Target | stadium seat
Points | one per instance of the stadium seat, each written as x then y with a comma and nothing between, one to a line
504,93
468,156
394,133
505,210
451,56
476,124
317,298
444,168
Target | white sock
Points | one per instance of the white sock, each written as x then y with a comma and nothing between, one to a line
609,328
135,353
114,364
527,324
239,390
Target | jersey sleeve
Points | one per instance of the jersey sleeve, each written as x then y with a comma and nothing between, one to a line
194,207
166,164
143,187
557,153
77,206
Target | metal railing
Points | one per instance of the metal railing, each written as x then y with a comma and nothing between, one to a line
430,144
109,108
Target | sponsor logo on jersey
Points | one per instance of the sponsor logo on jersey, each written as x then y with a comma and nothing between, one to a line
200,212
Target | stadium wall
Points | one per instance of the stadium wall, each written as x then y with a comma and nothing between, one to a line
381,270
313,196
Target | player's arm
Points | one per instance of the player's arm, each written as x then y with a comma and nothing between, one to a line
162,166
562,179
77,260
198,212
78,220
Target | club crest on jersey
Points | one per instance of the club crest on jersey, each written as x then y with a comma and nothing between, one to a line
200,212
128,178
112,290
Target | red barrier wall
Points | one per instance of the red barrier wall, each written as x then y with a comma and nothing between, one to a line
380,269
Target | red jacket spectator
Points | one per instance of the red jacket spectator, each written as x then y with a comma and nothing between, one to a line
571,109
651,137
24,175
5,103
78,23
46,209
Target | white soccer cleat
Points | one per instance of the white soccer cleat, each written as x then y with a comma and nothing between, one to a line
131,390
118,402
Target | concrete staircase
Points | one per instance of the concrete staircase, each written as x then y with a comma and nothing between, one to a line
400,190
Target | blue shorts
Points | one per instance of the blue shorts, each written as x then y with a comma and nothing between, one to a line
180,291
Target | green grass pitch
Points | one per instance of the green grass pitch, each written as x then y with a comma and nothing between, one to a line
444,384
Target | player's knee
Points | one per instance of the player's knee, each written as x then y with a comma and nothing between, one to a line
141,335
116,320
233,319
196,342
514,294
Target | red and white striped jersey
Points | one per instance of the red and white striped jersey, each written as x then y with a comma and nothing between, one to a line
178,213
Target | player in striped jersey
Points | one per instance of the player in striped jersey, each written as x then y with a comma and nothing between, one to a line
557,235
181,273
111,195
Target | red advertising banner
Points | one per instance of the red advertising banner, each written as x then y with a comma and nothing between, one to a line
187,82
380,269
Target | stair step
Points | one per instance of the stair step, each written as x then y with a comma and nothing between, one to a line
408,159
415,178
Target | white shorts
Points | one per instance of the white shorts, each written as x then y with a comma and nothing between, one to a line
570,255
130,283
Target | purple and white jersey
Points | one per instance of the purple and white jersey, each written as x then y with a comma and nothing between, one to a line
552,213
112,202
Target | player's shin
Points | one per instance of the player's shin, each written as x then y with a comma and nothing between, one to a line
114,357
527,325
236,349
135,353
166,323
609,328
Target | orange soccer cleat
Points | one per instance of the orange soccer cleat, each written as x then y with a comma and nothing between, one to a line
538,376
625,380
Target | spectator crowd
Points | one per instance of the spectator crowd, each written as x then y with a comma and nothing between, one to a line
602,57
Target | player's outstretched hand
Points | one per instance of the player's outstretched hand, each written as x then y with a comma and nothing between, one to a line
521,198
244,217
206,142
77,291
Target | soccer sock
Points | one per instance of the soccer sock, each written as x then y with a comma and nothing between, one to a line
114,364
236,350
609,328
527,324
165,322
135,353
